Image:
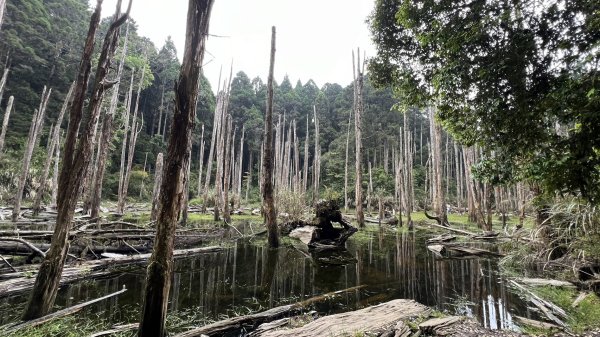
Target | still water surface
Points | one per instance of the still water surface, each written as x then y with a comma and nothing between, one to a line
247,277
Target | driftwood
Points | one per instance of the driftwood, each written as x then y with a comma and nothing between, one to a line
545,282
29,245
442,238
374,319
579,299
536,324
58,314
91,269
453,250
253,320
550,310
434,325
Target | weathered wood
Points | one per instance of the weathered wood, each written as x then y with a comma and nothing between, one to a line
358,110
76,158
549,309
442,238
5,122
160,269
58,314
253,320
29,245
267,169
374,319
97,268
536,324
455,250
579,299
536,282
158,173
432,325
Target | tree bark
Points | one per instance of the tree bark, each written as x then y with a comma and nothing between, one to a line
125,140
160,267
2,7
317,161
5,123
358,107
305,171
267,171
76,157
226,168
158,173
346,163
51,149
200,163
135,131
439,198
36,127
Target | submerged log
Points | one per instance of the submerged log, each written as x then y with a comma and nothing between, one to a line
443,249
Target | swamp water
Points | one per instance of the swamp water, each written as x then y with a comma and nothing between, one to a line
247,277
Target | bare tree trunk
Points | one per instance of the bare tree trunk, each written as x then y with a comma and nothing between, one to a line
317,160
183,218
4,74
249,179
55,173
200,164
240,168
439,198
107,134
5,123
267,171
76,157
135,131
358,109
161,109
346,163
158,173
216,118
369,190
2,7
305,171
408,170
36,127
226,168
160,266
54,141
124,145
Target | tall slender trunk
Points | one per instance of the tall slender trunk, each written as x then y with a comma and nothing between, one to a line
249,179
158,173
239,168
125,139
5,123
439,198
213,139
161,109
267,171
305,170
358,109
76,156
226,168
408,172
346,163
160,266
51,149
2,7
36,127
200,163
317,160
3,79
133,135
55,174
107,133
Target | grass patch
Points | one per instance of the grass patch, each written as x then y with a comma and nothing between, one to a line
586,316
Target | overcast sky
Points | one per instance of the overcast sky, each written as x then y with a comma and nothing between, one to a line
315,38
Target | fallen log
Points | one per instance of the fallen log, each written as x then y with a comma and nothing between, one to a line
374,319
61,313
454,251
550,310
90,269
442,238
536,324
29,245
253,320
536,282
435,325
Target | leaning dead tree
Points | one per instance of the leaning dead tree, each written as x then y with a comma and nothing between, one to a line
267,165
358,109
76,157
54,141
36,127
160,266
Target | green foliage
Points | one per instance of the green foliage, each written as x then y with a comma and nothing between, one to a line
515,78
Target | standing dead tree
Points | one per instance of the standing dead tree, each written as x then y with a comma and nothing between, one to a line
2,7
76,157
158,172
160,266
316,161
358,109
200,163
54,141
5,122
35,129
228,149
126,128
346,163
107,135
267,170
437,178
133,135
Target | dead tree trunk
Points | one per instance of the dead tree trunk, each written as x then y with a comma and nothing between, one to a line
107,134
5,122
240,168
36,127
226,168
2,7
55,174
407,168
316,161
125,139
358,107
158,173
161,109
346,163
305,171
76,157
267,171
54,141
249,179
135,131
439,198
160,266
200,164
213,139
